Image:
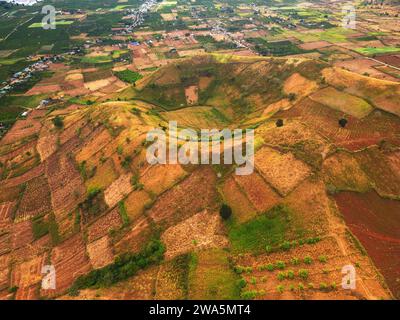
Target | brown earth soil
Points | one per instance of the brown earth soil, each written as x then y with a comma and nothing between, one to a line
376,223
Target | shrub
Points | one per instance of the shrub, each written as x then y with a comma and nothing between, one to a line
313,240
285,246
225,211
290,274
323,286
300,286
123,213
280,265
308,260
249,295
281,276
295,261
238,269
126,162
322,258
280,288
120,150
303,274
241,283
270,267
279,123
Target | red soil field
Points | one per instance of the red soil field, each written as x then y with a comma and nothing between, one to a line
22,129
393,60
21,234
31,174
17,151
5,213
67,187
376,223
358,133
194,194
36,199
70,261
104,224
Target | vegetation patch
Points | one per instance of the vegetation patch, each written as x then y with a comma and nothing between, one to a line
265,230
124,267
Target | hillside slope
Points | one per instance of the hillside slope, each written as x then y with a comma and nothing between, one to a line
77,192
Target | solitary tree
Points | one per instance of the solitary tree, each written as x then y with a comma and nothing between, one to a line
58,122
225,211
279,123
342,122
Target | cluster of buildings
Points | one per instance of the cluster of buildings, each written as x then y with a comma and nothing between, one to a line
24,75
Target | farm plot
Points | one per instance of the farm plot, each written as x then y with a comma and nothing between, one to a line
70,261
172,279
201,231
47,142
309,271
375,164
105,175
211,277
67,188
194,194
257,191
357,134
315,45
393,60
136,203
23,128
364,67
310,209
159,178
375,222
22,234
344,173
242,208
298,85
35,200
381,93
6,209
134,239
4,271
118,190
100,252
94,145
283,171
197,117
5,243
102,226
341,101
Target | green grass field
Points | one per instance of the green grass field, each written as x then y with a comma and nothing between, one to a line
58,23
265,230
371,51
